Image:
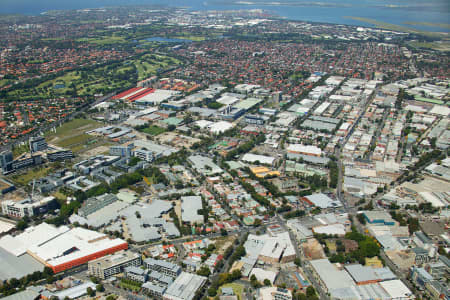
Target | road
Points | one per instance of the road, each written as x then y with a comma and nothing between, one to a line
303,261
338,149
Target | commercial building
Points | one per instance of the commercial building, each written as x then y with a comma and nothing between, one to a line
149,151
184,287
163,267
153,290
256,119
37,143
160,279
105,267
28,207
121,150
22,162
60,155
6,186
6,157
136,274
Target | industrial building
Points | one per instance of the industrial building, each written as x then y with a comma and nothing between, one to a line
189,209
304,149
61,248
270,248
204,165
184,287
322,201
94,204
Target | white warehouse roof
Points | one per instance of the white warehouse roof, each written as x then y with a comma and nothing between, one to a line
251,158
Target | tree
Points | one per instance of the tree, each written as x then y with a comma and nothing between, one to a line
310,292
95,280
361,219
90,292
21,225
212,292
413,225
204,271
267,282
99,288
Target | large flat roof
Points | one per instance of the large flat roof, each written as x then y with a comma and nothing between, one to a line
12,266
114,259
34,235
396,289
323,201
250,157
184,287
72,245
189,208
330,275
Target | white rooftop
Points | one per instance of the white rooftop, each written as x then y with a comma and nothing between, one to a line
32,236
73,244
396,289
250,157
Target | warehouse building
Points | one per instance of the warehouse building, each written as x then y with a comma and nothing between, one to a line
190,205
61,248
184,287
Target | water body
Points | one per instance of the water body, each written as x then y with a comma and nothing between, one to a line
329,11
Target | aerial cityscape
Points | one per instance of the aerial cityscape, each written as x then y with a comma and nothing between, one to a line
229,150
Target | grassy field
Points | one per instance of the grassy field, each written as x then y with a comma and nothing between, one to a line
153,130
149,64
25,178
18,150
190,37
103,79
237,289
72,134
106,40
132,287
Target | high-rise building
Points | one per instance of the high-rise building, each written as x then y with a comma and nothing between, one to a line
6,158
37,143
